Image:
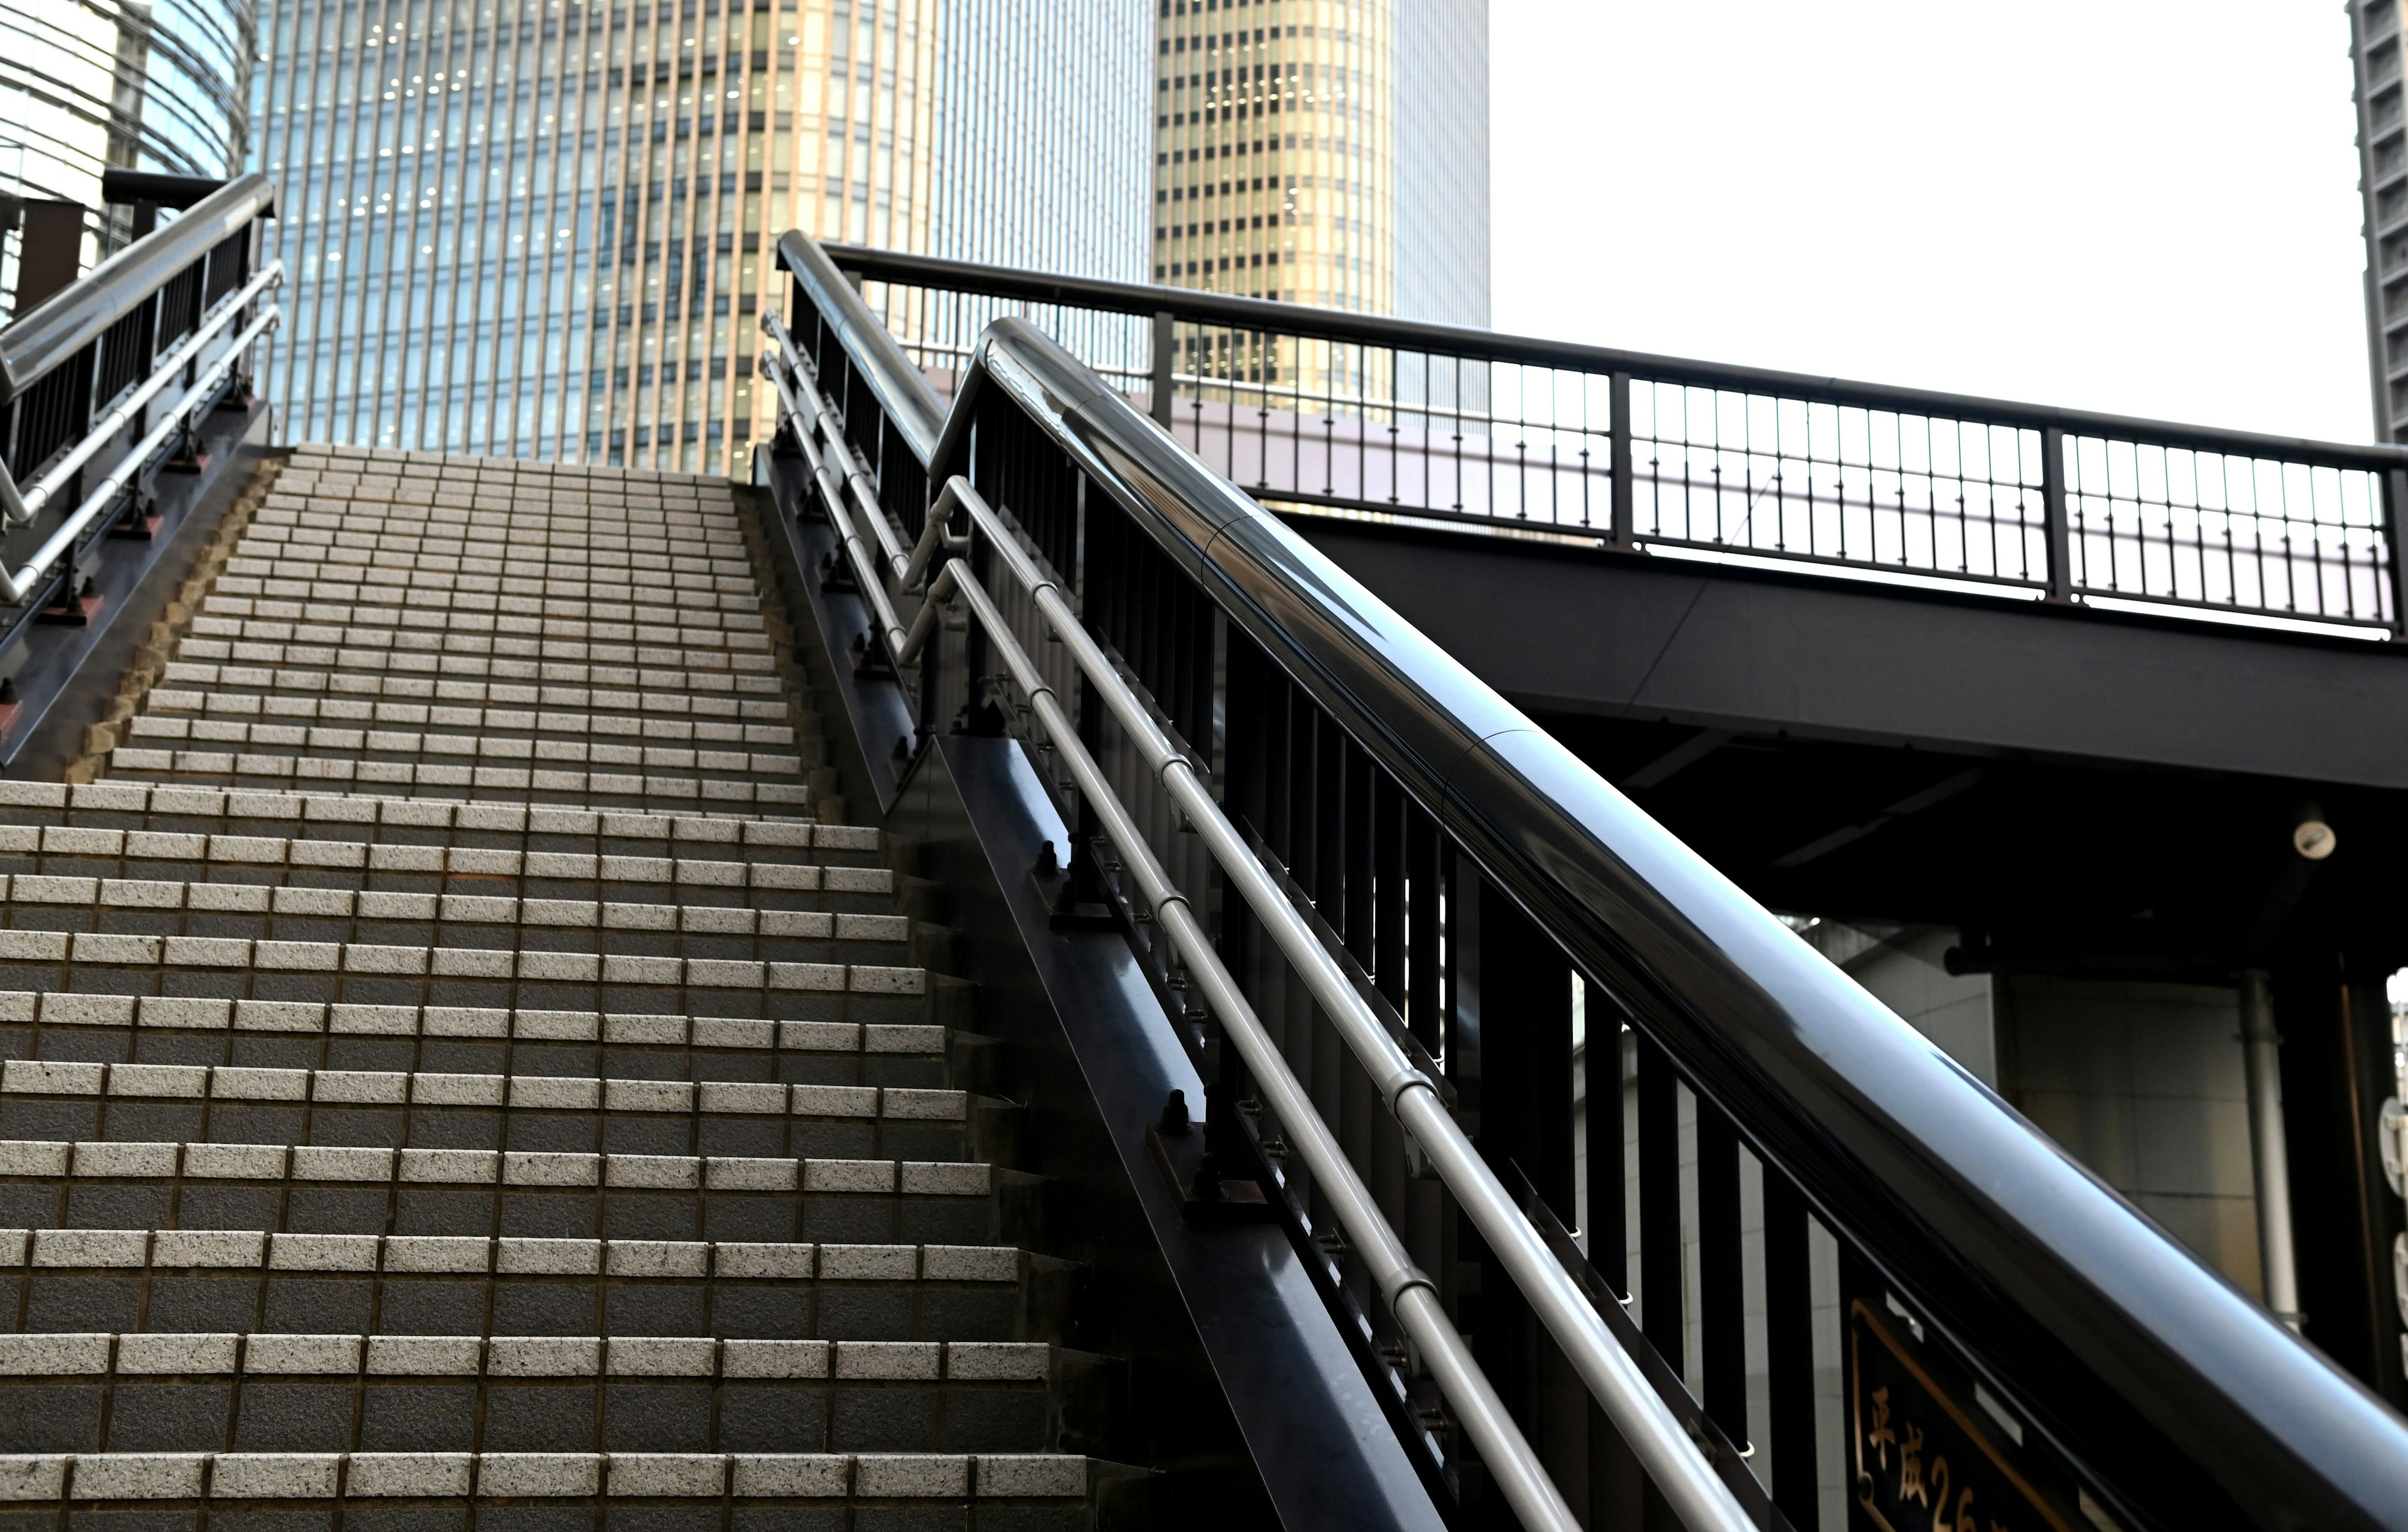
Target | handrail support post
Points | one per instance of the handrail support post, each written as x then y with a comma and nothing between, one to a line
1625,495
2057,531
2395,505
1164,340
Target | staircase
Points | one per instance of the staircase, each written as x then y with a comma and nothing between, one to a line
448,1066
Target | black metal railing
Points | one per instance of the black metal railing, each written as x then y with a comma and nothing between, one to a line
1367,416
2012,1344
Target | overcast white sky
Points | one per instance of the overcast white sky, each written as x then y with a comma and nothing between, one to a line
2144,208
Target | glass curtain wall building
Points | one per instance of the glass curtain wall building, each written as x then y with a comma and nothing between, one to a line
1326,152
545,228
90,85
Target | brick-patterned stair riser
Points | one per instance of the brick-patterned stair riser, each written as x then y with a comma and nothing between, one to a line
564,1194
411,651
131,805
90,1102
284,1034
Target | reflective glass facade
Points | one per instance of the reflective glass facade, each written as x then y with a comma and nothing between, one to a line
545,228
1324,151
90,84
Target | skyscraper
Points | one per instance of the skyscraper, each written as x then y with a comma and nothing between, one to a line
544,228
90,85
2383,182
1326,152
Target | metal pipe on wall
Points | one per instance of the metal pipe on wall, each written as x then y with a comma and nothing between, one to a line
2261,1057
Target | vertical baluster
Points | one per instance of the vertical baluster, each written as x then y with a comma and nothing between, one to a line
1660,1266
1424,981
1387,941
1789,1350
1722,1316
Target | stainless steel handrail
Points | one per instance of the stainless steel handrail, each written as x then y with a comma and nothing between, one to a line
15,587
1687,1483
19,509
1409,1292
62,324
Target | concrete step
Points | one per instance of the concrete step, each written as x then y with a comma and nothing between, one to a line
221,907
83,1098
517,784
288,1034
417,973
539,739
623,646
656,626
747,676
280,862
333,1189
385,1390
100,1103
536,1490
166,907
572,713
264,691
127,807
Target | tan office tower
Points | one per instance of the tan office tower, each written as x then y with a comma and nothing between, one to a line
2375,50
545,228
1326,152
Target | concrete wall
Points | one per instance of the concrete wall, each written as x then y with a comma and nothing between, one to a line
2143,1085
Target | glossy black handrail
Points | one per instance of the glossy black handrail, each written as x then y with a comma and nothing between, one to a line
1264,315
77,315
902,394
2174,1391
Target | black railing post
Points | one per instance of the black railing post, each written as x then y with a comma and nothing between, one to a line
1625,492
1789,1350
1662,1267
1165,339
2395,502
2058,530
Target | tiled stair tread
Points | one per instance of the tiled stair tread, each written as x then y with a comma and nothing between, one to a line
521,735
479,517
532,1092
807,1479
209,767
363,810
621,690
575,573
20,945
478,867
622,1029
231,719
494,543
50,1159
265,741
220,897
683,605
382,558
696,626
231,690
440,1255
384,1354
615,644
610,643
295,665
